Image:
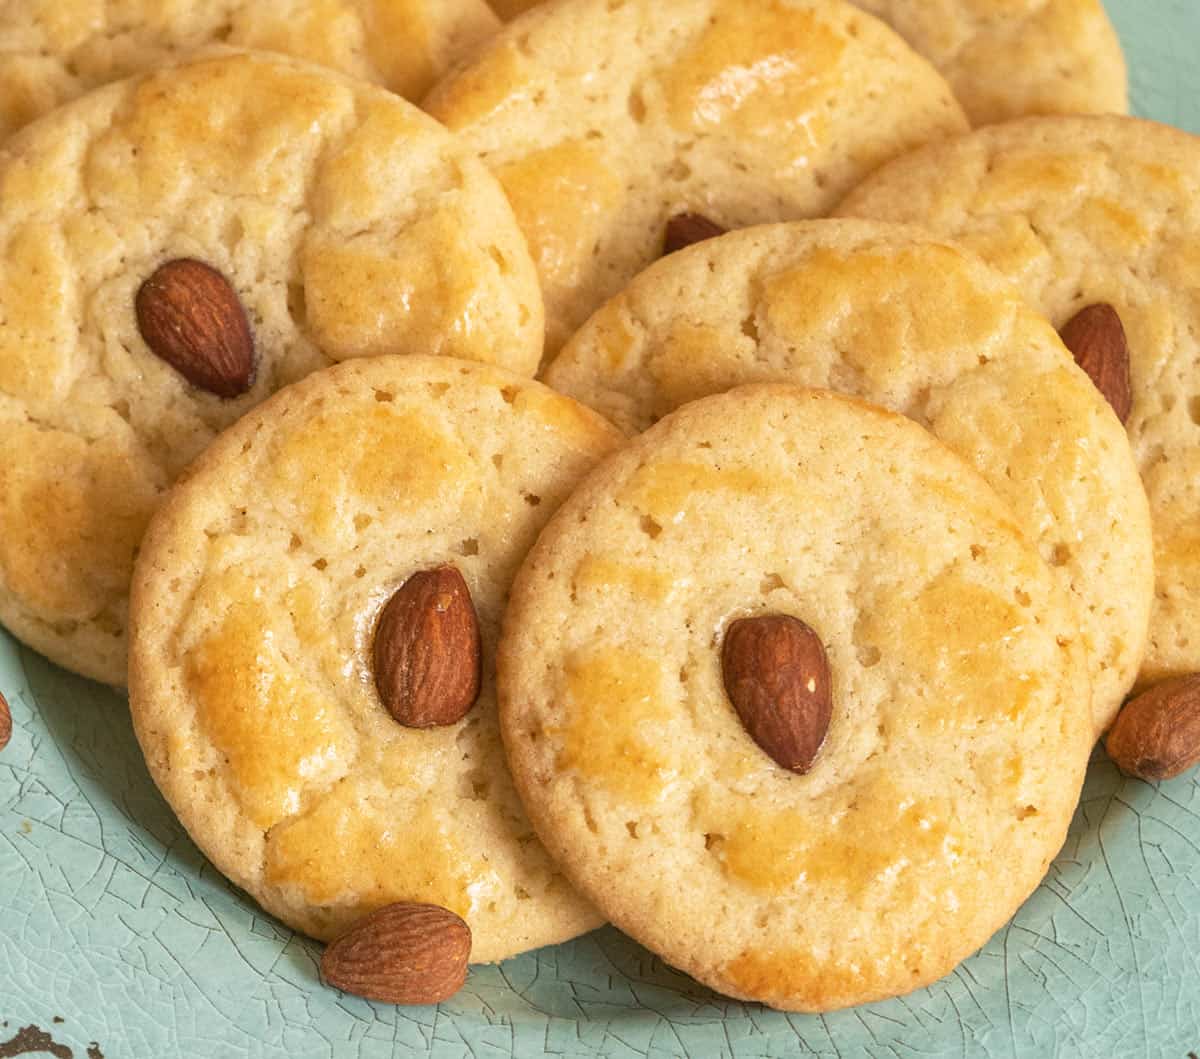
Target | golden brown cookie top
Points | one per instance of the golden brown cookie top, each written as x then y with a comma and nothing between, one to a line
1003,58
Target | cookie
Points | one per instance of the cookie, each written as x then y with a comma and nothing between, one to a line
744,113
910,322
329,217
1085,211
1004,59
52,52
1007,59
256,602
960,724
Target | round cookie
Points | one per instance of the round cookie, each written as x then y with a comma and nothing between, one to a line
960,727
255,607
899,318
347,222
52,51
605,120
1079,211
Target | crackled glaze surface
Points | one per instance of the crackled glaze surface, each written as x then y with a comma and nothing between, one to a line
116,924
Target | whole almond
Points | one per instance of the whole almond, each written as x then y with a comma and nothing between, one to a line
401,954
192,318
5,723
1157,735
777,677
1096,337
684,229
428,654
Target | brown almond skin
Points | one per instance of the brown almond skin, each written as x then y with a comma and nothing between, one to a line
428,655
5,722
1096,337
684,229
401,954
192,318
777,677
1157,735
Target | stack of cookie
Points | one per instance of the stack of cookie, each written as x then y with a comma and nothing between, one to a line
775,625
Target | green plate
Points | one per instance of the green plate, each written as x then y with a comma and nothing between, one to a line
118,939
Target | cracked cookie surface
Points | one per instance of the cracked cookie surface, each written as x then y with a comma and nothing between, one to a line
911,322
961,720
347,222
255,606
1080,211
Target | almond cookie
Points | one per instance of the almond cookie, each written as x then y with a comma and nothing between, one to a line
176,248
910,322
605,120
52,51
1084,212
1004,59
258,661
958,728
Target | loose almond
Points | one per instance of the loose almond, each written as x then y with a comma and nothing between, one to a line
401,954
684,229
5,723
1157,735
1096,337
192,318
777,677
428,655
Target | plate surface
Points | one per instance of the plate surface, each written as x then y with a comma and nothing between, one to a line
119,940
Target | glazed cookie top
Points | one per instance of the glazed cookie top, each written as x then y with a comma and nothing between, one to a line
605,119
899,318
343,220
960,725
1008,58
1081,211
256,602
52,51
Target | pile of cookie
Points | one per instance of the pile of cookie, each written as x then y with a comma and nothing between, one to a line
775,625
